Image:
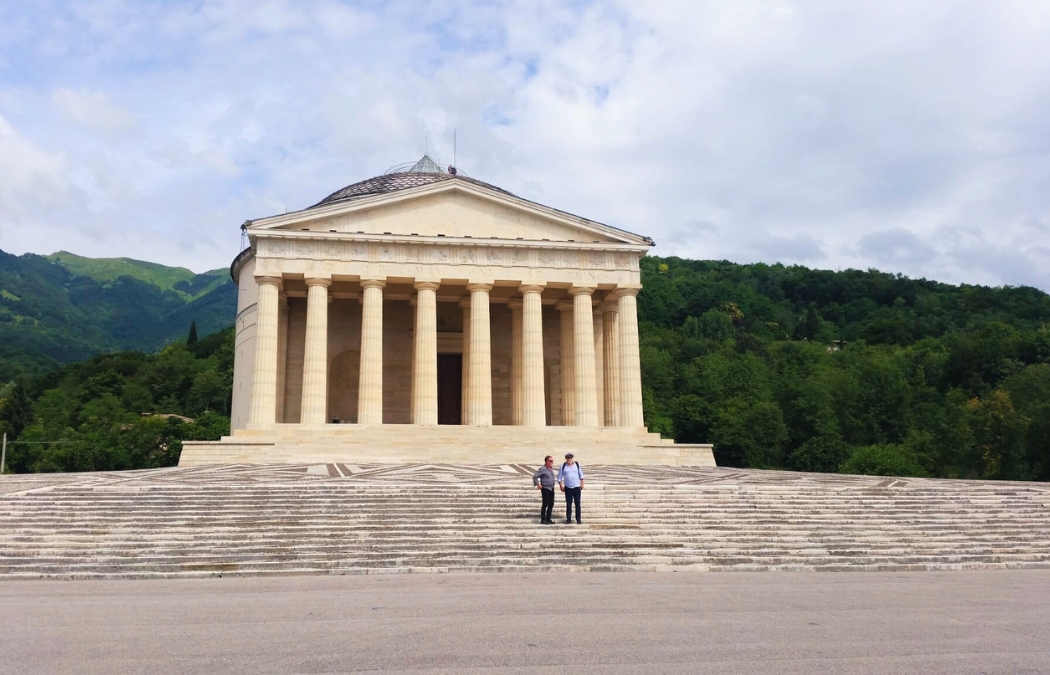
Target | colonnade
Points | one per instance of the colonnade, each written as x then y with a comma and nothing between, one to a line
610,398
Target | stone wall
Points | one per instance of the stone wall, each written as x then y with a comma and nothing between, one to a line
244,346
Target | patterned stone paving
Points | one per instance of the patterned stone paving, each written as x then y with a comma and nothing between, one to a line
486,474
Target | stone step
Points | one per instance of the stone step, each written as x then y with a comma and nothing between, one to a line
381,519
38,558
222,567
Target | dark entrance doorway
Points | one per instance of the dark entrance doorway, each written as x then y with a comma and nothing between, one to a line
450,388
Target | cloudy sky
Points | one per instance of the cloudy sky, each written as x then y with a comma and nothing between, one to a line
913,137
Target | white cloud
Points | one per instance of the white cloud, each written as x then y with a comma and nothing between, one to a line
30,178
95,112
906,136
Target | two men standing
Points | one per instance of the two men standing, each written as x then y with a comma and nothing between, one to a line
570,480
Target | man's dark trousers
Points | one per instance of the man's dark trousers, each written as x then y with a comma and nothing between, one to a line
572,495
548,505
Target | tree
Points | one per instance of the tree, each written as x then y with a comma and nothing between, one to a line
823,454
748,433
191,339
999,433
17,411
882,460
209,392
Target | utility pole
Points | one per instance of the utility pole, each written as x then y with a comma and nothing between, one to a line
3,455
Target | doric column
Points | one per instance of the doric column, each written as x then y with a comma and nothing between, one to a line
517,400
611,363
535,407
630,360
465,380
568,373
315,358
370,383
599,367
480,356
282,352
412,365
583,361
424,372
264,373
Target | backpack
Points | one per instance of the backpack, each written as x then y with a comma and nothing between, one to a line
579,470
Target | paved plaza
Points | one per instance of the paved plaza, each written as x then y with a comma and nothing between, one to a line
905,622
331,568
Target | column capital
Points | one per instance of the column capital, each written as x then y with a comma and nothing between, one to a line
531,288
318,281
465,302
581,290
565,306
610,306
624,290
515,303
373,283
269,281
426,285
479,286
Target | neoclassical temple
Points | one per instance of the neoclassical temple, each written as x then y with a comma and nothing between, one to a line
425,316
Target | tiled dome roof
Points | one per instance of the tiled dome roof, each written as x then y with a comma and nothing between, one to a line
423,172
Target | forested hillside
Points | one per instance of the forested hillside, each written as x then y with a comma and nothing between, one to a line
779,367
847,371
68,308
121,411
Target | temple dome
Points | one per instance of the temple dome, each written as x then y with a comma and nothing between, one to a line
402,177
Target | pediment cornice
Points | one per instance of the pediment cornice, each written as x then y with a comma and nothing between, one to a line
431,241
294,222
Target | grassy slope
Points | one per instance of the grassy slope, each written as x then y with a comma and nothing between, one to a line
107,270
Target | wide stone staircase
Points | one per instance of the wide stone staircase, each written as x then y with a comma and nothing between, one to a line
358,519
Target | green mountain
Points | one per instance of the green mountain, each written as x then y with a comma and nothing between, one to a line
65,308
106,271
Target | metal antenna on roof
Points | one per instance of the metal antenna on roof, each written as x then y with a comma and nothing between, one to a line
452,166
426,145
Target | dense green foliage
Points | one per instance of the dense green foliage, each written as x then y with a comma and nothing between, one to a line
121,411
786,367
57,312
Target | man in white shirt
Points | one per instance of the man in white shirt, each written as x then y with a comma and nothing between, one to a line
570,480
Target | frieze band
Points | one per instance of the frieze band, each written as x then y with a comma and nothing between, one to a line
497,256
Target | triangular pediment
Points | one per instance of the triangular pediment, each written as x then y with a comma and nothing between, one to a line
453,209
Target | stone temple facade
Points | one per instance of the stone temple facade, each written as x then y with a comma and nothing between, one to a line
424,316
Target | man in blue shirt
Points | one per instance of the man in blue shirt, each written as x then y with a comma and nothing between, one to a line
570,480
